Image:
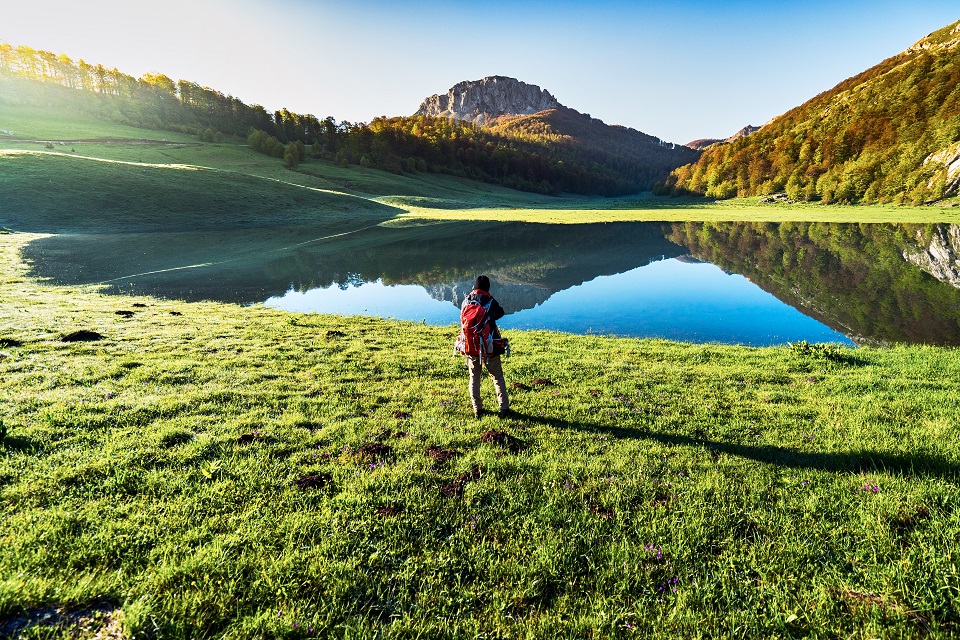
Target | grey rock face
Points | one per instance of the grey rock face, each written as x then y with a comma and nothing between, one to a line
941,258
949,158
483,100
743,133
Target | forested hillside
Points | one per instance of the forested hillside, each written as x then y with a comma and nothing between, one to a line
638,157
888,134
517,156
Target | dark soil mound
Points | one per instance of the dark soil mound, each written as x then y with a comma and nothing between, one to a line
139,305
82,336
542,382
10,342
374,451
401,415
520,386
126,313
388,511
175,313
601,512
333,333
441,455
311,481
503,439
455,488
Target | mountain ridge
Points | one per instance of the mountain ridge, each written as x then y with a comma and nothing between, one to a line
525,113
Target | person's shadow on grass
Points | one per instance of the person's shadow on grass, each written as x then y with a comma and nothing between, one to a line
863,460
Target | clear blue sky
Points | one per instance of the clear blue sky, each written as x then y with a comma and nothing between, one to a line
676,69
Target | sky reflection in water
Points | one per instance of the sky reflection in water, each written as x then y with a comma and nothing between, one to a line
672,299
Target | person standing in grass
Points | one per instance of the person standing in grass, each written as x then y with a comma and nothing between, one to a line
481,344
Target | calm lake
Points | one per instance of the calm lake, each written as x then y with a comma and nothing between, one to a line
743,283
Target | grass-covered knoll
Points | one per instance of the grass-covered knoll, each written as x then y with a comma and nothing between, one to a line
206,470
93,195
56,124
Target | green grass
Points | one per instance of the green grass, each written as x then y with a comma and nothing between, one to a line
662,489
59,124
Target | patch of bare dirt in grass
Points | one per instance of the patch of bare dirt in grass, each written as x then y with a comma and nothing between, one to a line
859,603
441,455
250,438
311,481
503,439
83,335
373,451
10,342
388,511
455,488
542,382
520,386
99,620
600,511
333,333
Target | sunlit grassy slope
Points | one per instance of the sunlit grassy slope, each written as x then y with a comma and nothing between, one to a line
47,175
207,470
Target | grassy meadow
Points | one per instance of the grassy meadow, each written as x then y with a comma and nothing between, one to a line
204,470
207,470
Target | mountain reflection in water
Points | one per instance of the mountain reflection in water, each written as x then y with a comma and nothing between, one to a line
772,283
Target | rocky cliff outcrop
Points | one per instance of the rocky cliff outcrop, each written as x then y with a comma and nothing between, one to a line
941,257
703,143
483,100
950,159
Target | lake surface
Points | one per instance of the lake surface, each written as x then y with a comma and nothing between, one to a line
743,283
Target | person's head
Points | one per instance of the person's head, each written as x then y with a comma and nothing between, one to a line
482,283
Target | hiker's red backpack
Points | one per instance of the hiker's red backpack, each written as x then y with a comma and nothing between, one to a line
478,333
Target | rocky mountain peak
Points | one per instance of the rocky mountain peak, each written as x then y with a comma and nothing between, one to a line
483,100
